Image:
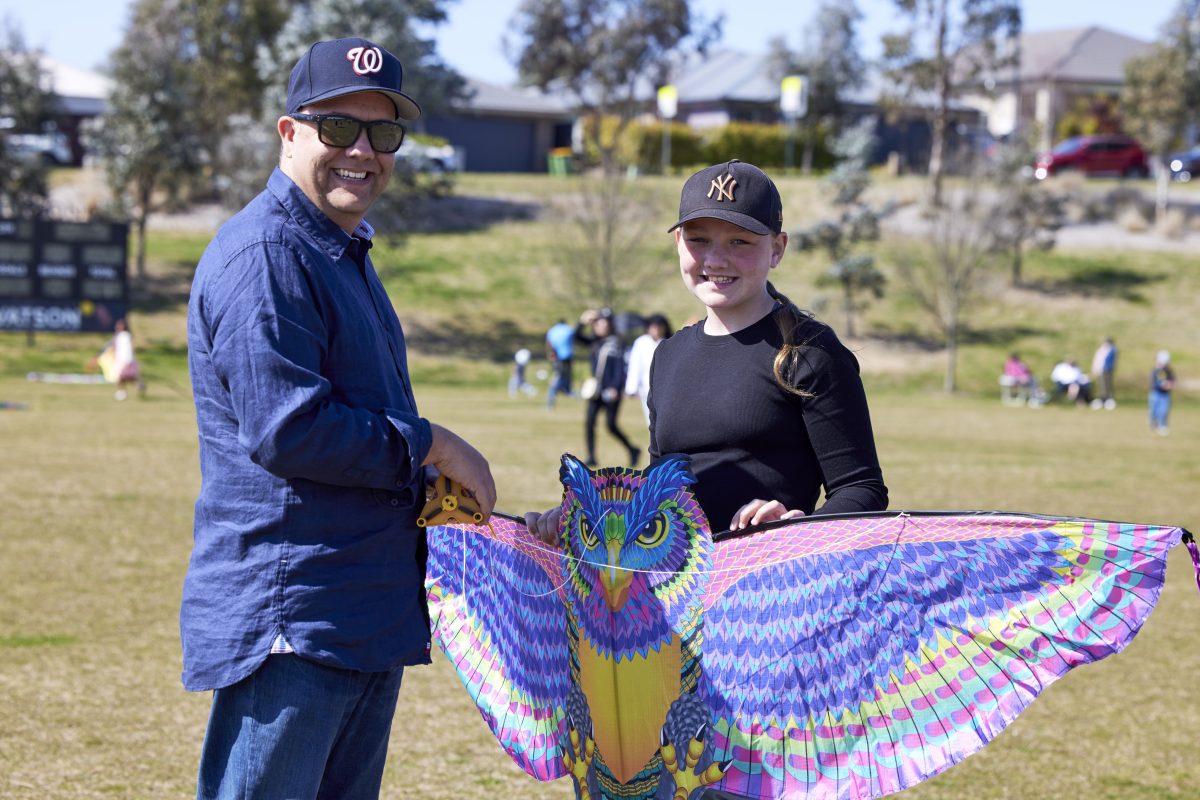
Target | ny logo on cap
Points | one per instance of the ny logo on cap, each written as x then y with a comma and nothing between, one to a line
366,59
723,186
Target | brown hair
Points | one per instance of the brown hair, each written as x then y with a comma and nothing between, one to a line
790,318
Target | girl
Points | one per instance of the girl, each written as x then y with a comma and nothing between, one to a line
765,399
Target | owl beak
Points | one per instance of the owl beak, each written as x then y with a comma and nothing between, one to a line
616,580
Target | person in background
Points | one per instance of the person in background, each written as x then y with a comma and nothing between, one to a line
641,354
304,599
1071,382
560,349
518,382
1021,383
1104,365
1162,383
606,381
117,362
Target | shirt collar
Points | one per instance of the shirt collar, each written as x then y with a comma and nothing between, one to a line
319,227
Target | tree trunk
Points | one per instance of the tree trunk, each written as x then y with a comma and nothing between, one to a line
949,383
1162,183
849,308
937,144
145,191
1016,264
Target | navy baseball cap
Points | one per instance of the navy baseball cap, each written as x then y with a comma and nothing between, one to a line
345,66
735,192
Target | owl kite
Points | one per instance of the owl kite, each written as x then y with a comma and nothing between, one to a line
833,657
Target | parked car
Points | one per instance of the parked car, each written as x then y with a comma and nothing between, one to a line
428,156
1095,155
52,149
1186,165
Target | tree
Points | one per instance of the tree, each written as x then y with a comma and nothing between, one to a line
857,222
1161,101
1025,213
946,50
25,107
150,138
830,60
605,54
392,24
948,280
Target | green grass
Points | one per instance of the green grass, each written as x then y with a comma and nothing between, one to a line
96,510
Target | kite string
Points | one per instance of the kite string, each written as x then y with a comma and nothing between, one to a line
558,553
496,537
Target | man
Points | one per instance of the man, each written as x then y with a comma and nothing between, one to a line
560,349
303,600
1104,364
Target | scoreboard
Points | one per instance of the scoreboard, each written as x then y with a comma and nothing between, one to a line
62,276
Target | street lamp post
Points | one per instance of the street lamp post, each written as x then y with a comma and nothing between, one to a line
793,104
668,105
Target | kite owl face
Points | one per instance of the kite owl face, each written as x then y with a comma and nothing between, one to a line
635,534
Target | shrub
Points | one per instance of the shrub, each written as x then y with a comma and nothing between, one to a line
763,145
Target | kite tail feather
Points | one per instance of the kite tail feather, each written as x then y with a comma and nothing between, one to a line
1189,542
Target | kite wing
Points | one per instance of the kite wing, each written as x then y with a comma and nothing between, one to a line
496,610
853,657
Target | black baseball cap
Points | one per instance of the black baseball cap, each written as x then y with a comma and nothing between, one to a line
736,192
346,66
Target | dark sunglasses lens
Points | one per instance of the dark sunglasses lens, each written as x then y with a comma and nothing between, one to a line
338,131
386,137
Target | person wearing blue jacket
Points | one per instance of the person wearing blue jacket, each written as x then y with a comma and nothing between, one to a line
304,599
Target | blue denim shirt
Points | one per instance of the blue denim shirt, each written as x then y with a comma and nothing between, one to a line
310,452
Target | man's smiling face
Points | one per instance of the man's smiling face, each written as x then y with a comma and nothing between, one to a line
341,181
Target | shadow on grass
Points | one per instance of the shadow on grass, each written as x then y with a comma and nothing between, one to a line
998,335
163,292
463,337
1100,280
462,213
915,341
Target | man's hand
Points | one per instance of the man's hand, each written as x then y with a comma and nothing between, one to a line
544,525
758,511
453,457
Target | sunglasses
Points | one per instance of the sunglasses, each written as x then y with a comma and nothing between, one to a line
338,131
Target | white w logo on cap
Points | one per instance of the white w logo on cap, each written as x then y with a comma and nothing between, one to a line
365,59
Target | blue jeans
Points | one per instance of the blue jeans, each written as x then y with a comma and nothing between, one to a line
296,729
1160,407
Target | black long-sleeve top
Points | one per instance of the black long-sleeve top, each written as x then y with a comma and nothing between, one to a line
715,399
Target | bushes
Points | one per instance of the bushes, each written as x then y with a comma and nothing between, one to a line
757,143
763,145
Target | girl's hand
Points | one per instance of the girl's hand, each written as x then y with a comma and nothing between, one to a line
757,512
544,524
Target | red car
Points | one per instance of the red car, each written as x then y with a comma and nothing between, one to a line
1095,155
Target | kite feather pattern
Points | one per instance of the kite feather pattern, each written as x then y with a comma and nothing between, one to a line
824,657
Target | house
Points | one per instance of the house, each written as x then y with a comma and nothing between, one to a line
503,128
730,86
1057,68
79,95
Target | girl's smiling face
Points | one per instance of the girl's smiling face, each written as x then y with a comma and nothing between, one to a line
726,268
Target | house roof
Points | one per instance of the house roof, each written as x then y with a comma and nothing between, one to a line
1091,55
492,98
78,91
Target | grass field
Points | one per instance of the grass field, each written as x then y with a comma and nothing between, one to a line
96,501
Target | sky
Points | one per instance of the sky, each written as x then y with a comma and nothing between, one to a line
81,33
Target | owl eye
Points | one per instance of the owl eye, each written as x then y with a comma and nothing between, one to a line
587,534
654,531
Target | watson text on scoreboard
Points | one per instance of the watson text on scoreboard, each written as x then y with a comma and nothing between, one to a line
62,276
